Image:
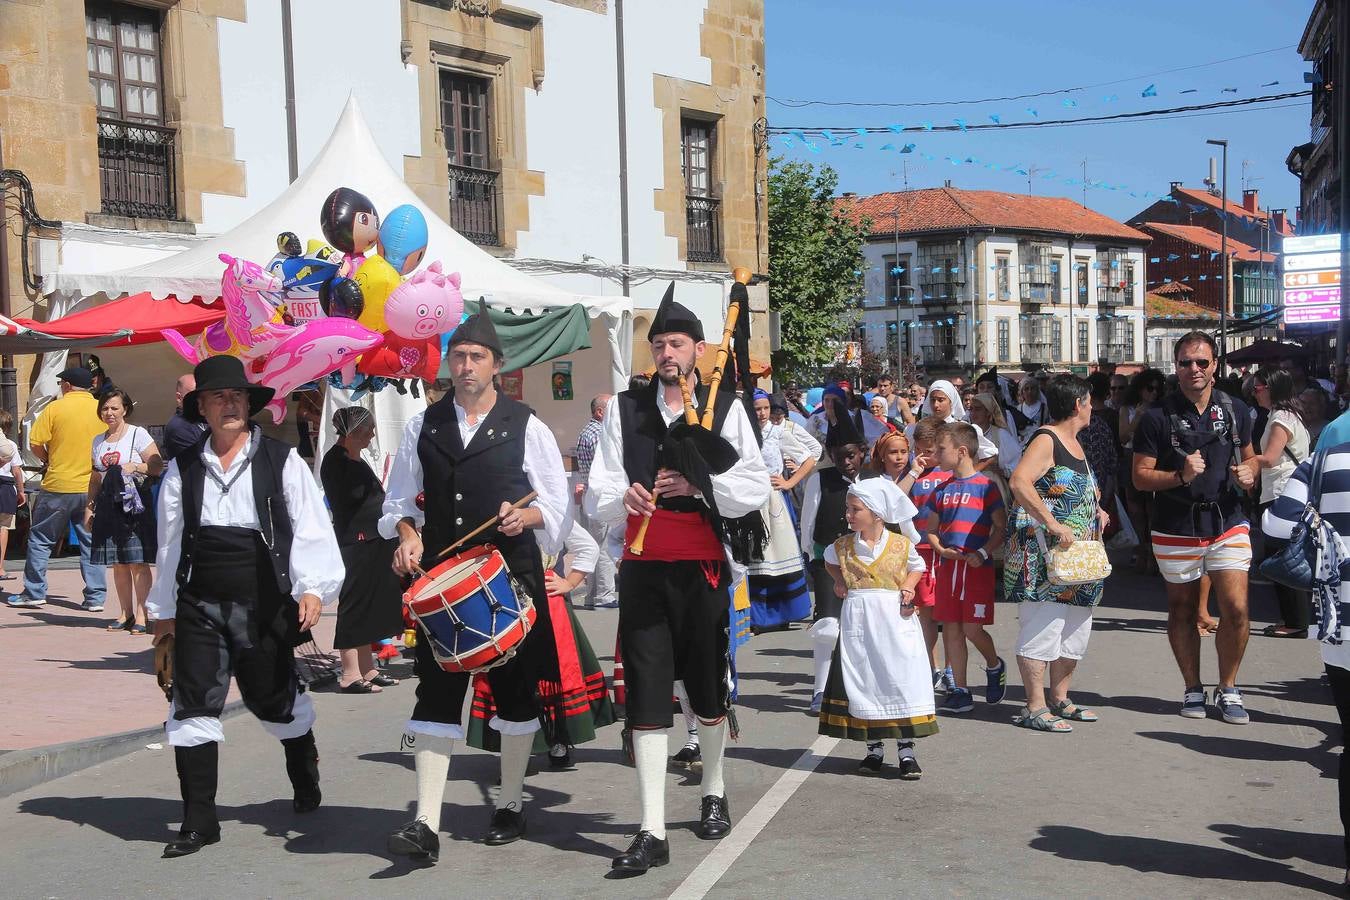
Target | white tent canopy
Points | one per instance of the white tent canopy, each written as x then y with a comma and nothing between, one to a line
351,158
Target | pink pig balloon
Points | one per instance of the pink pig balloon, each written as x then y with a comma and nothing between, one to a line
426,305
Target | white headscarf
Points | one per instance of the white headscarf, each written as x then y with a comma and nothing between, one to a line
958,413
883,497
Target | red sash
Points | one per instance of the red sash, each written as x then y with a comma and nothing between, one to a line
674,537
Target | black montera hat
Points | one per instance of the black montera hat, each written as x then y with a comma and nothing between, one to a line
843,431
674,317
478,329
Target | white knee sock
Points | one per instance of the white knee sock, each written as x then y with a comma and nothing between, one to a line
515,760
433,765
649,753
713,741
690,720
824,635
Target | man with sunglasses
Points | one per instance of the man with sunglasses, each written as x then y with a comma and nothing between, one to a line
1194,452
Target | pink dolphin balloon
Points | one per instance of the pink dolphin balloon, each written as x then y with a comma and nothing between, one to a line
312,351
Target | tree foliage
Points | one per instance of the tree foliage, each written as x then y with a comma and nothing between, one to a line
815,266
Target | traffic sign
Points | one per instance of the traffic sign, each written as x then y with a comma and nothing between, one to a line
1327,296
1304,262
1311,279
1312,243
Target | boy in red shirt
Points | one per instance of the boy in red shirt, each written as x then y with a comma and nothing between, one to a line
966,519
919,482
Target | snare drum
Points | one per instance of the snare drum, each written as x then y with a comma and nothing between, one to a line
471,611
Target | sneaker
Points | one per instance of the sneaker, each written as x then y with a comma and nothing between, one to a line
688,757
607,604
958,701
90,607
816,701
910,769
948,680
23,601
1229,702
939,682
870,765
996,682
1193,703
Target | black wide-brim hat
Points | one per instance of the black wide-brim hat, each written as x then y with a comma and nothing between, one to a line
224,373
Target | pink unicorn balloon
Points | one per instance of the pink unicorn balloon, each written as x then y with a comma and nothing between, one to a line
250,328
426,305
310,352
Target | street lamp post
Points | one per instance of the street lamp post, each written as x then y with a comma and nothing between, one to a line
1223,252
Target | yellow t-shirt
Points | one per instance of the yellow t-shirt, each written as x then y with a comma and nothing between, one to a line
68,427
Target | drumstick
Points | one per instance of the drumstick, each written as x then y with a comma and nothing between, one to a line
528,498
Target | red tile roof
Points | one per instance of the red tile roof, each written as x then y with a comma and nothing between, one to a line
1157,306
1237,209
1208,240
948,209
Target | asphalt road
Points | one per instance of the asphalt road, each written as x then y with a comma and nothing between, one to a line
1144,803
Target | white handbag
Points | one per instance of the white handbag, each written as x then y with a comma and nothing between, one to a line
1081,562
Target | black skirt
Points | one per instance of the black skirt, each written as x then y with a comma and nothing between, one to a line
370,607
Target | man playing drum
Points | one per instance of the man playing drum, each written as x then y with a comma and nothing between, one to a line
673,609
462,461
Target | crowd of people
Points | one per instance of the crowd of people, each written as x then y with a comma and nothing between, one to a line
894,522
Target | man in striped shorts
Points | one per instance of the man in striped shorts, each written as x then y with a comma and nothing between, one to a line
1193,450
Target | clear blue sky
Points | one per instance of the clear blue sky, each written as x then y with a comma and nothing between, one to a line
869,50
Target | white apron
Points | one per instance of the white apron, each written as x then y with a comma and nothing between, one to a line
783,555
883,658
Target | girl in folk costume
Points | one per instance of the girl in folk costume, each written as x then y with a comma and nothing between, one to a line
879,685
777,583
576,704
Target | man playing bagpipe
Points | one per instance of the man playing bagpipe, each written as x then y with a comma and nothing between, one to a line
696,488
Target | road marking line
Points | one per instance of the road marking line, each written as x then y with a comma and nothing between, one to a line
716,863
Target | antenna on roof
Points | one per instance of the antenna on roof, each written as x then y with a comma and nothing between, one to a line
1212,182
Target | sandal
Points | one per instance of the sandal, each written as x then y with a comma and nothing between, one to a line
136,629
1284,631
1041,720
119,625
1067,709
359,686
383,680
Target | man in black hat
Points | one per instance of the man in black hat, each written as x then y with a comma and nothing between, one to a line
466,458
247,557
673,598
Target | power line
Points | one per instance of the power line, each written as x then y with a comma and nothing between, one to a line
799,103
820,130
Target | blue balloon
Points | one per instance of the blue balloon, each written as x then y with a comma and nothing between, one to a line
813,397
403,238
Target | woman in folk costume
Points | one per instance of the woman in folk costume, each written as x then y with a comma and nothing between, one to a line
575,705
880,685
777,584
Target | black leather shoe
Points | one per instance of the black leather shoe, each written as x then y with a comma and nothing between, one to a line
507,826
417,841
909,769
716,819
187,843
646,852
307,801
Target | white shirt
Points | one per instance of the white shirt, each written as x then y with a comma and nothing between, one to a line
738,491
315,563
868,553
811,509
786,441
543,467
585,551
1275,475
126,449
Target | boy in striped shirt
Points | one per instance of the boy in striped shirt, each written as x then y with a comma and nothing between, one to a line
965,520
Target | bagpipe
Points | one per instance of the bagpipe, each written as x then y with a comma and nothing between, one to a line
696,451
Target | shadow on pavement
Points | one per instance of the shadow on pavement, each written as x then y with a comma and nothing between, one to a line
782,651
1255,751
1185,860
140,660
1277,843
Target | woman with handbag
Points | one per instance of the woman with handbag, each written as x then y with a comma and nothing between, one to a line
121,514
1284,444
1056,513
1312,513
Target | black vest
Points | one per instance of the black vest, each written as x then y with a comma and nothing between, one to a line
269,500
830,522
465,486
643,429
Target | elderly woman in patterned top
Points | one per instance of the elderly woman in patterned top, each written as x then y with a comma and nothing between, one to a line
1054,493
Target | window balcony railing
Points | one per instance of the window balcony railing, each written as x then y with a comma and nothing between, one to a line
1037,353
1115,294
939,354
137,170
1111,352
473,204
703,219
